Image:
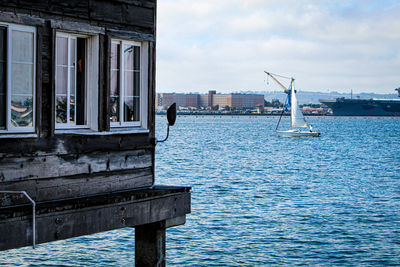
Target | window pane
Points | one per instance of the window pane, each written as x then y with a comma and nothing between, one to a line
80,70
22,79
129,86
22,47
131,109
72,52
71,80
3,56
21,111
136,81
72,109
115,82
137,58
61,109
21,95
72,84
128,83
114,109
61,80
3,46
115,56
114,89
129,57
132,83
62,48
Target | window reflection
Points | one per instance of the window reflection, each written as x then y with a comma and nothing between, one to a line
21,111
125,82
22,79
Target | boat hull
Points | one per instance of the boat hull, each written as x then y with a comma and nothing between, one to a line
296,133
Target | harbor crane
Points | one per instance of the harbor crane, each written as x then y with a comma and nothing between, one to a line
278,82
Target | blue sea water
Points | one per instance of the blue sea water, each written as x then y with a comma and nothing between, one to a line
259,199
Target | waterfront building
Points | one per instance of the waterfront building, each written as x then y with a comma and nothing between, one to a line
212,99
182,100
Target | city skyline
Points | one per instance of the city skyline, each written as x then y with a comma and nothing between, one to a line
326,46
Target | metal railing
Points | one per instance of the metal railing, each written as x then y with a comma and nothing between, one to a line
33,213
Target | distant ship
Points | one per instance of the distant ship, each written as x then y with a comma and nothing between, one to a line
363,107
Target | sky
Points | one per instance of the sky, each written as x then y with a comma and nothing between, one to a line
326,45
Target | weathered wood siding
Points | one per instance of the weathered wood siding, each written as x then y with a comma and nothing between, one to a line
55,166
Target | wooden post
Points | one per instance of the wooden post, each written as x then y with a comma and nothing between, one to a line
150,244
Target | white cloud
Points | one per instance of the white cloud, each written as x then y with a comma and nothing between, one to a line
226,45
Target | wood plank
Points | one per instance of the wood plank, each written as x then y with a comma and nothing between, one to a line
76,186
117,13
70,8
73,144
143,3
103,10
21,19
66,219
73,26
70,165
39,167
130,35
138,16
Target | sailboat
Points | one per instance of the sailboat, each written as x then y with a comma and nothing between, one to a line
298,124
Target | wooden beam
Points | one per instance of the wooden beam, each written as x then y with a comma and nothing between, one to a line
150,241
45,167
64,219
130,35
77,186
150,245
73,26
21,19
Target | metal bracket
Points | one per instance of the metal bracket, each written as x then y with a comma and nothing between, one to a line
33,213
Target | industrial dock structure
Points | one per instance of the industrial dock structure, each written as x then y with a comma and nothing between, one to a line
77,125
212,99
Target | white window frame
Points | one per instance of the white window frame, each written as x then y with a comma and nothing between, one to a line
91,81
143,98
9,128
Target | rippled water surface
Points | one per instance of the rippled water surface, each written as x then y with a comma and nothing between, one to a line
258,199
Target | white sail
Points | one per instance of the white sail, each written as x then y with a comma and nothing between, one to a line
297,118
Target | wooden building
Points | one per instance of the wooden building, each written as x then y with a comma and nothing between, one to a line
77,124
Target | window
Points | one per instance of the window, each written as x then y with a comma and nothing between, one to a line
128,84
76,86
17,74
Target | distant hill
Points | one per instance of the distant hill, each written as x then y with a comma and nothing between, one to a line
305,97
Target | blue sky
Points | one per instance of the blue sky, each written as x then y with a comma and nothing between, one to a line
326,45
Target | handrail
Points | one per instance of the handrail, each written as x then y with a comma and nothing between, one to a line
34,213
